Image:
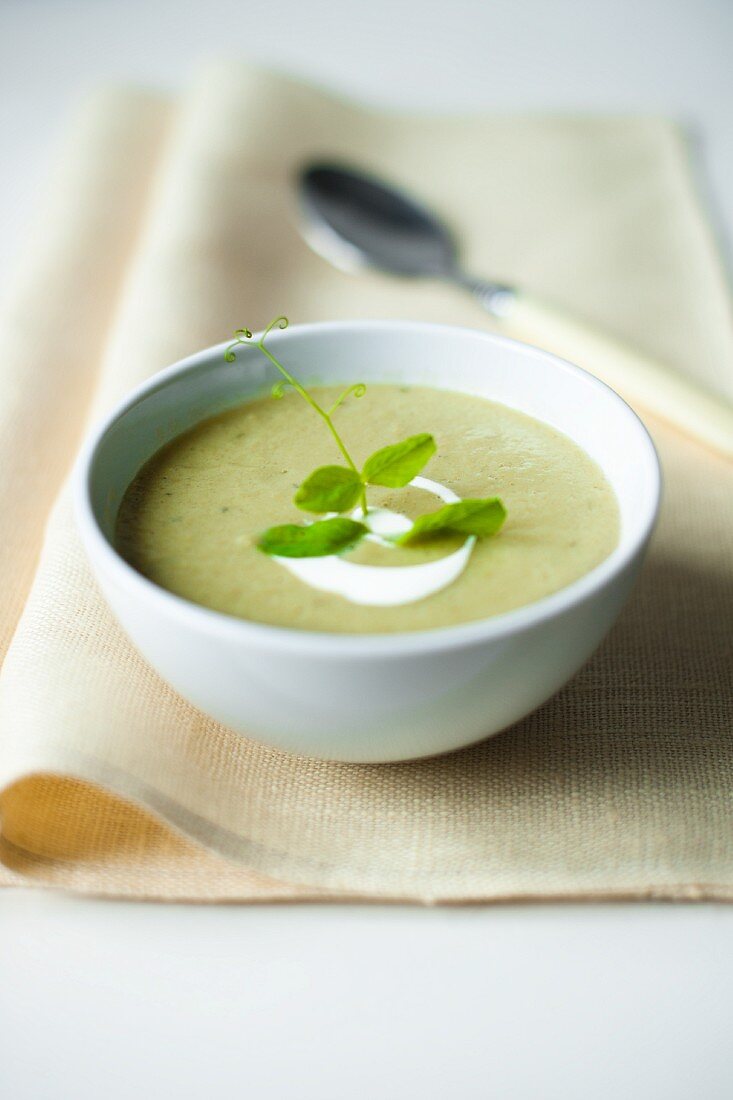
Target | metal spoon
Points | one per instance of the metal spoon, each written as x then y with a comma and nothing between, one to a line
355,220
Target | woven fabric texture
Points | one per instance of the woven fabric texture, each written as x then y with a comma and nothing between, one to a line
168,225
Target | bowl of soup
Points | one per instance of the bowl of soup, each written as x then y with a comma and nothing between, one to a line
363,657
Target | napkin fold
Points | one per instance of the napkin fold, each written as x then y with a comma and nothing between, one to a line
168,226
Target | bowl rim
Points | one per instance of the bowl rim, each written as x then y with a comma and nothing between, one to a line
336,644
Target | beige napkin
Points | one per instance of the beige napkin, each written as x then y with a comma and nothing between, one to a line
171,225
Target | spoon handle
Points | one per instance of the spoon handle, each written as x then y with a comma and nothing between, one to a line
653,386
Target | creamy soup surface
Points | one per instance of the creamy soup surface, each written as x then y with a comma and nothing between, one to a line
190,519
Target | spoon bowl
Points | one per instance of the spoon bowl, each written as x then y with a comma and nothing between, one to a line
355,221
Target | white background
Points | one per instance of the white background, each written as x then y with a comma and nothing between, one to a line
116,1000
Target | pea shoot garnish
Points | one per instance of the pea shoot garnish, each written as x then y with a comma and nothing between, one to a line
335,489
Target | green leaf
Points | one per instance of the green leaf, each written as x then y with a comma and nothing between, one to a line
329,489
327,536
467,517
395,466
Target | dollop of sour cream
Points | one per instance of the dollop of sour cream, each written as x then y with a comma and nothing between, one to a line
384,586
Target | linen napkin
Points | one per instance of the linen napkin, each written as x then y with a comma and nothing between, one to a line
172,224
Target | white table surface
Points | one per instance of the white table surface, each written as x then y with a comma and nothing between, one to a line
118,1000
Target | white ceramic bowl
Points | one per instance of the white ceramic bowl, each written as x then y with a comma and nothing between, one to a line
370,697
